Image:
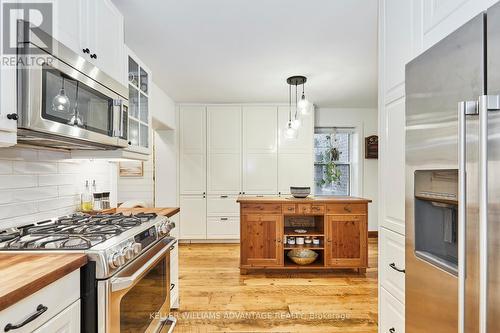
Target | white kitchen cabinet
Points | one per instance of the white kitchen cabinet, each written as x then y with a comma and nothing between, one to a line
260,151
93,29
223,227
67,321
392,314
139,123
192,123
58,297
193,217
392,261
222,205
8,99
223,150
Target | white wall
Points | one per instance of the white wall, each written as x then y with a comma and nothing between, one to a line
365,122
40,184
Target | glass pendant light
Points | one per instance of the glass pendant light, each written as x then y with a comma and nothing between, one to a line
304,106
290,131
61,102
75,119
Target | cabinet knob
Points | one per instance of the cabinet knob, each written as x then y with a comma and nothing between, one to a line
392,330
12,116
86,50
93,56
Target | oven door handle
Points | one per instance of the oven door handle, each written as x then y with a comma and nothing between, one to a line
121,283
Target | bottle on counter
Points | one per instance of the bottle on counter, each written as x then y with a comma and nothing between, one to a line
97,201
86,198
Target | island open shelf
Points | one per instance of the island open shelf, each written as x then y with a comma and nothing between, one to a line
340,224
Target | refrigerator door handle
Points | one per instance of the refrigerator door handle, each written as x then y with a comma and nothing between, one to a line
486,103
465,108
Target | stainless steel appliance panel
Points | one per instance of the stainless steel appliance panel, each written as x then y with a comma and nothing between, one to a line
450,72
493,208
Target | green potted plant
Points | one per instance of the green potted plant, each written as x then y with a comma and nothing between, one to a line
332,172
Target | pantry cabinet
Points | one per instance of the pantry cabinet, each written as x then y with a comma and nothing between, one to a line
193,169
224,150
260,153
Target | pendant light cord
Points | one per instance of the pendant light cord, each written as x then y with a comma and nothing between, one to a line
296,108
289,103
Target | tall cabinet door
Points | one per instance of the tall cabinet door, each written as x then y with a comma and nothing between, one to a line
295,156
261,240
192,150
224,150
346,240
260,158
193,217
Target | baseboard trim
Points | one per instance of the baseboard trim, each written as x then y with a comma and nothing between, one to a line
373,234
209,241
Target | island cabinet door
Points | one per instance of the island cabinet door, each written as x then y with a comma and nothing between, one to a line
261,240
346,241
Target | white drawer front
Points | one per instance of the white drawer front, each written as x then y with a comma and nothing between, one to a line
223,227
392,314
56,297
392,253
222,205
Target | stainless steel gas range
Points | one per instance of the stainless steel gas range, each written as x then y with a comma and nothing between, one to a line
125,287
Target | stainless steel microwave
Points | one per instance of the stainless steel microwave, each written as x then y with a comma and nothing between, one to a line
65,101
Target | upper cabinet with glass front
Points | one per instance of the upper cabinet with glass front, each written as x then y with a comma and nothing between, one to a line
139,79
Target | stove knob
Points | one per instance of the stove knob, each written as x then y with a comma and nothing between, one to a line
128,252
164,229
136,247
116,260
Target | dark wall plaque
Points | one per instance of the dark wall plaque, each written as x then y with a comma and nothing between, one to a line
371,147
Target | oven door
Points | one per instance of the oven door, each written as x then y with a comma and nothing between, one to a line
139,295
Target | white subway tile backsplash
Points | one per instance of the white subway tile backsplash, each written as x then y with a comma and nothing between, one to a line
34,167
17,181
13,210
59,179
5,167
37,185
27,194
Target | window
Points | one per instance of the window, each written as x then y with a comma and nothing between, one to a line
332,160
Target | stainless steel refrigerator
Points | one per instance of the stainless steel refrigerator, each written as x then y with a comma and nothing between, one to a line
452,199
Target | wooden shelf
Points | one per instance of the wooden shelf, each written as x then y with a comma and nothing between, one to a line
289,231
305,246
317,264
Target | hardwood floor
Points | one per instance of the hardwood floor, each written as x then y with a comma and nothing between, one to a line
214,297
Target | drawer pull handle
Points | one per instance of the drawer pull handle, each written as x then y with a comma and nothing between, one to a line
223,196
223,218
348,209
172,286
40,309
290,208
392,330
393,266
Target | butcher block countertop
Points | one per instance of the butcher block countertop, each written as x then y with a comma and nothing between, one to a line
309,199
165,211
23,274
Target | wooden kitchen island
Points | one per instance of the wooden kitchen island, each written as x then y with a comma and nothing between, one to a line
340,224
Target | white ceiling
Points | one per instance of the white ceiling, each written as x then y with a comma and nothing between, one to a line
235,51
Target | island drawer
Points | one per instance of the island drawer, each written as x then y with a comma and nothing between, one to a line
289,209
261,208
346,208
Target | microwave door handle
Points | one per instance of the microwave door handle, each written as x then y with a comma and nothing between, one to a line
117,117
121,283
